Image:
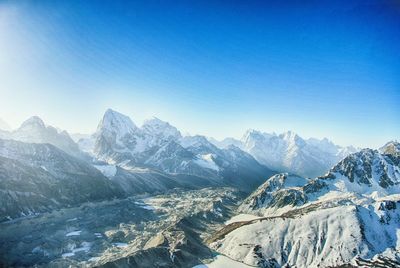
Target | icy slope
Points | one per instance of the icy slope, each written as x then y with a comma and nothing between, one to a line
349,216
327,237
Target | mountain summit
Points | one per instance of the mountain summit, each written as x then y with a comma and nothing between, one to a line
34,130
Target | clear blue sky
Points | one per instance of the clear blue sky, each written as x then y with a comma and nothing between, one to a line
319,68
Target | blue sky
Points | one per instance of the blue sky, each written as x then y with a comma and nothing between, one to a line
319,68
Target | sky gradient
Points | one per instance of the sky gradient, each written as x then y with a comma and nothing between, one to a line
319,68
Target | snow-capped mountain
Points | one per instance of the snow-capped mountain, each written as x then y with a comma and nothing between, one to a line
367,173
160,146
350,216
117,137
288,152
34,130
344,236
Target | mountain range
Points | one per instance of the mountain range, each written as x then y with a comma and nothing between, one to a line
118,160
288,152
310,203
350,216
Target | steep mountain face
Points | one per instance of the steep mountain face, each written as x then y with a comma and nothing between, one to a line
40,177
116,135
288,152
158,145
278,191
34,130
349,216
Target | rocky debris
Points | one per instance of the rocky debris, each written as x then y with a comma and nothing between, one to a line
168,229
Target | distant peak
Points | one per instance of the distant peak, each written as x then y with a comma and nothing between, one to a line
116,121
290,135
34,120
111,112
251,132
392,147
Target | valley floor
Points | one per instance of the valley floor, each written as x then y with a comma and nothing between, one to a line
108,233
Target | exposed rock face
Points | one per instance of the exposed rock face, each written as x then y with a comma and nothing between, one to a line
371,168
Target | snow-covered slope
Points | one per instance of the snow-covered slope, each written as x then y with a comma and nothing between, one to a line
349,216
288,152
327,237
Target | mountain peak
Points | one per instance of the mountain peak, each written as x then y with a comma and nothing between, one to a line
116,122
33,121
392,148
156,126
290,135
251,133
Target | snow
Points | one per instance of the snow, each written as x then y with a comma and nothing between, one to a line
120,245
85,247
145,206
222,261
98,235
69,254
290,153
108,170
207,161
115,122
87,144
74,233
160,129
193,141
289,237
